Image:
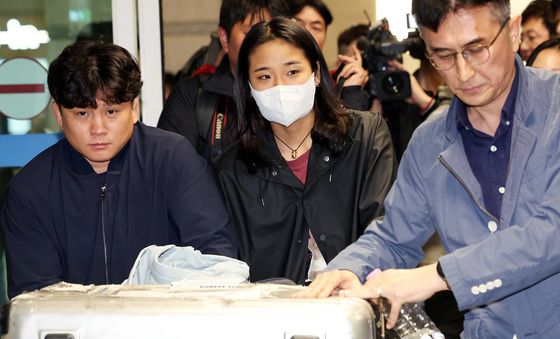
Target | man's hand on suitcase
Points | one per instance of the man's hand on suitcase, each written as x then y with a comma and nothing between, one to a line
330,283
399,286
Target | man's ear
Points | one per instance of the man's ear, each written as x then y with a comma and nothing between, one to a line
57,114
515,32
223,36
136,109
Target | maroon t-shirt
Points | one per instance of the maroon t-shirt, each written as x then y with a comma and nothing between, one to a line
299,166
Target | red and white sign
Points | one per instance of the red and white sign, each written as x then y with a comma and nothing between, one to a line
24,92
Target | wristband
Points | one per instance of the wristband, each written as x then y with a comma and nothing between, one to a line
428,105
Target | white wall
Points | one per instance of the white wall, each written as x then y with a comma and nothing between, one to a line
517,6
186,27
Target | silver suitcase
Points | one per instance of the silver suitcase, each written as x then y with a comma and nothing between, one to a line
68,311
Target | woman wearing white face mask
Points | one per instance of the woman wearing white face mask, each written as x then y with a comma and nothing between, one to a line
306,176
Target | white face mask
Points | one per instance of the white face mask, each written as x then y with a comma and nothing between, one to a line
284,104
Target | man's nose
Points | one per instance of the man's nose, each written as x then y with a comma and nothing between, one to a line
464,68
523,45
98,126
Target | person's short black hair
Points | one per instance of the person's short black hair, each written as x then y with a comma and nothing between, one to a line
541,9
234,11
331,122
297,5
353,33
90,69
430,13
550,43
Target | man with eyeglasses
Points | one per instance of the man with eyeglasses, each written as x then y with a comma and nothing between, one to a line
485,175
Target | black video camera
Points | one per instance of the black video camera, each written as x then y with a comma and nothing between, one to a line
378,48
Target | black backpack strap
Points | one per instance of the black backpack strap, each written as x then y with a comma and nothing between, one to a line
205,106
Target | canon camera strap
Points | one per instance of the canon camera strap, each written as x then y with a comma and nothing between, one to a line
219,121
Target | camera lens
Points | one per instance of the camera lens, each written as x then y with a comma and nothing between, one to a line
392,83
390,86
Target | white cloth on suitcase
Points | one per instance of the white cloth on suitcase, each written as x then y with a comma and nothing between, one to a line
177,265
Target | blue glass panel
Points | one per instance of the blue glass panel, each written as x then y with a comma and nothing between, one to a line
17,150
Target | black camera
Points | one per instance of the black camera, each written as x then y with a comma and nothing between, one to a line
378,48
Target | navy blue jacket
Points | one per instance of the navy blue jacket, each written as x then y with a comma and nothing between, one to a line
158,191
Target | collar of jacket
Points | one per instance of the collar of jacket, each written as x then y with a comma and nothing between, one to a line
522,141
523,103
77,164
220,82
320,161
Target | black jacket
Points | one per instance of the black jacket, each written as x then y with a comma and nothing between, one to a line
158,191
202,109
191,107
272,210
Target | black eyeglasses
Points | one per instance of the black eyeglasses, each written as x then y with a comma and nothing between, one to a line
475,55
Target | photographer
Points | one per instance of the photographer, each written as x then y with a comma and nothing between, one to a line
201,107
405,100
350,77
429,96
347,43
537,25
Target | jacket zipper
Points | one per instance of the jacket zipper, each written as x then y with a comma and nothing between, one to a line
446,165
103,195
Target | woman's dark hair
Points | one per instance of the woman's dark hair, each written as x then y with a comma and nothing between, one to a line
90,69
331,121
430,13
551,43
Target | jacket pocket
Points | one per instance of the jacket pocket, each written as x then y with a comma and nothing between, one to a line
533,187
534,170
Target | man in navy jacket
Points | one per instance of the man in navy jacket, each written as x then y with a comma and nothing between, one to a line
82,210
